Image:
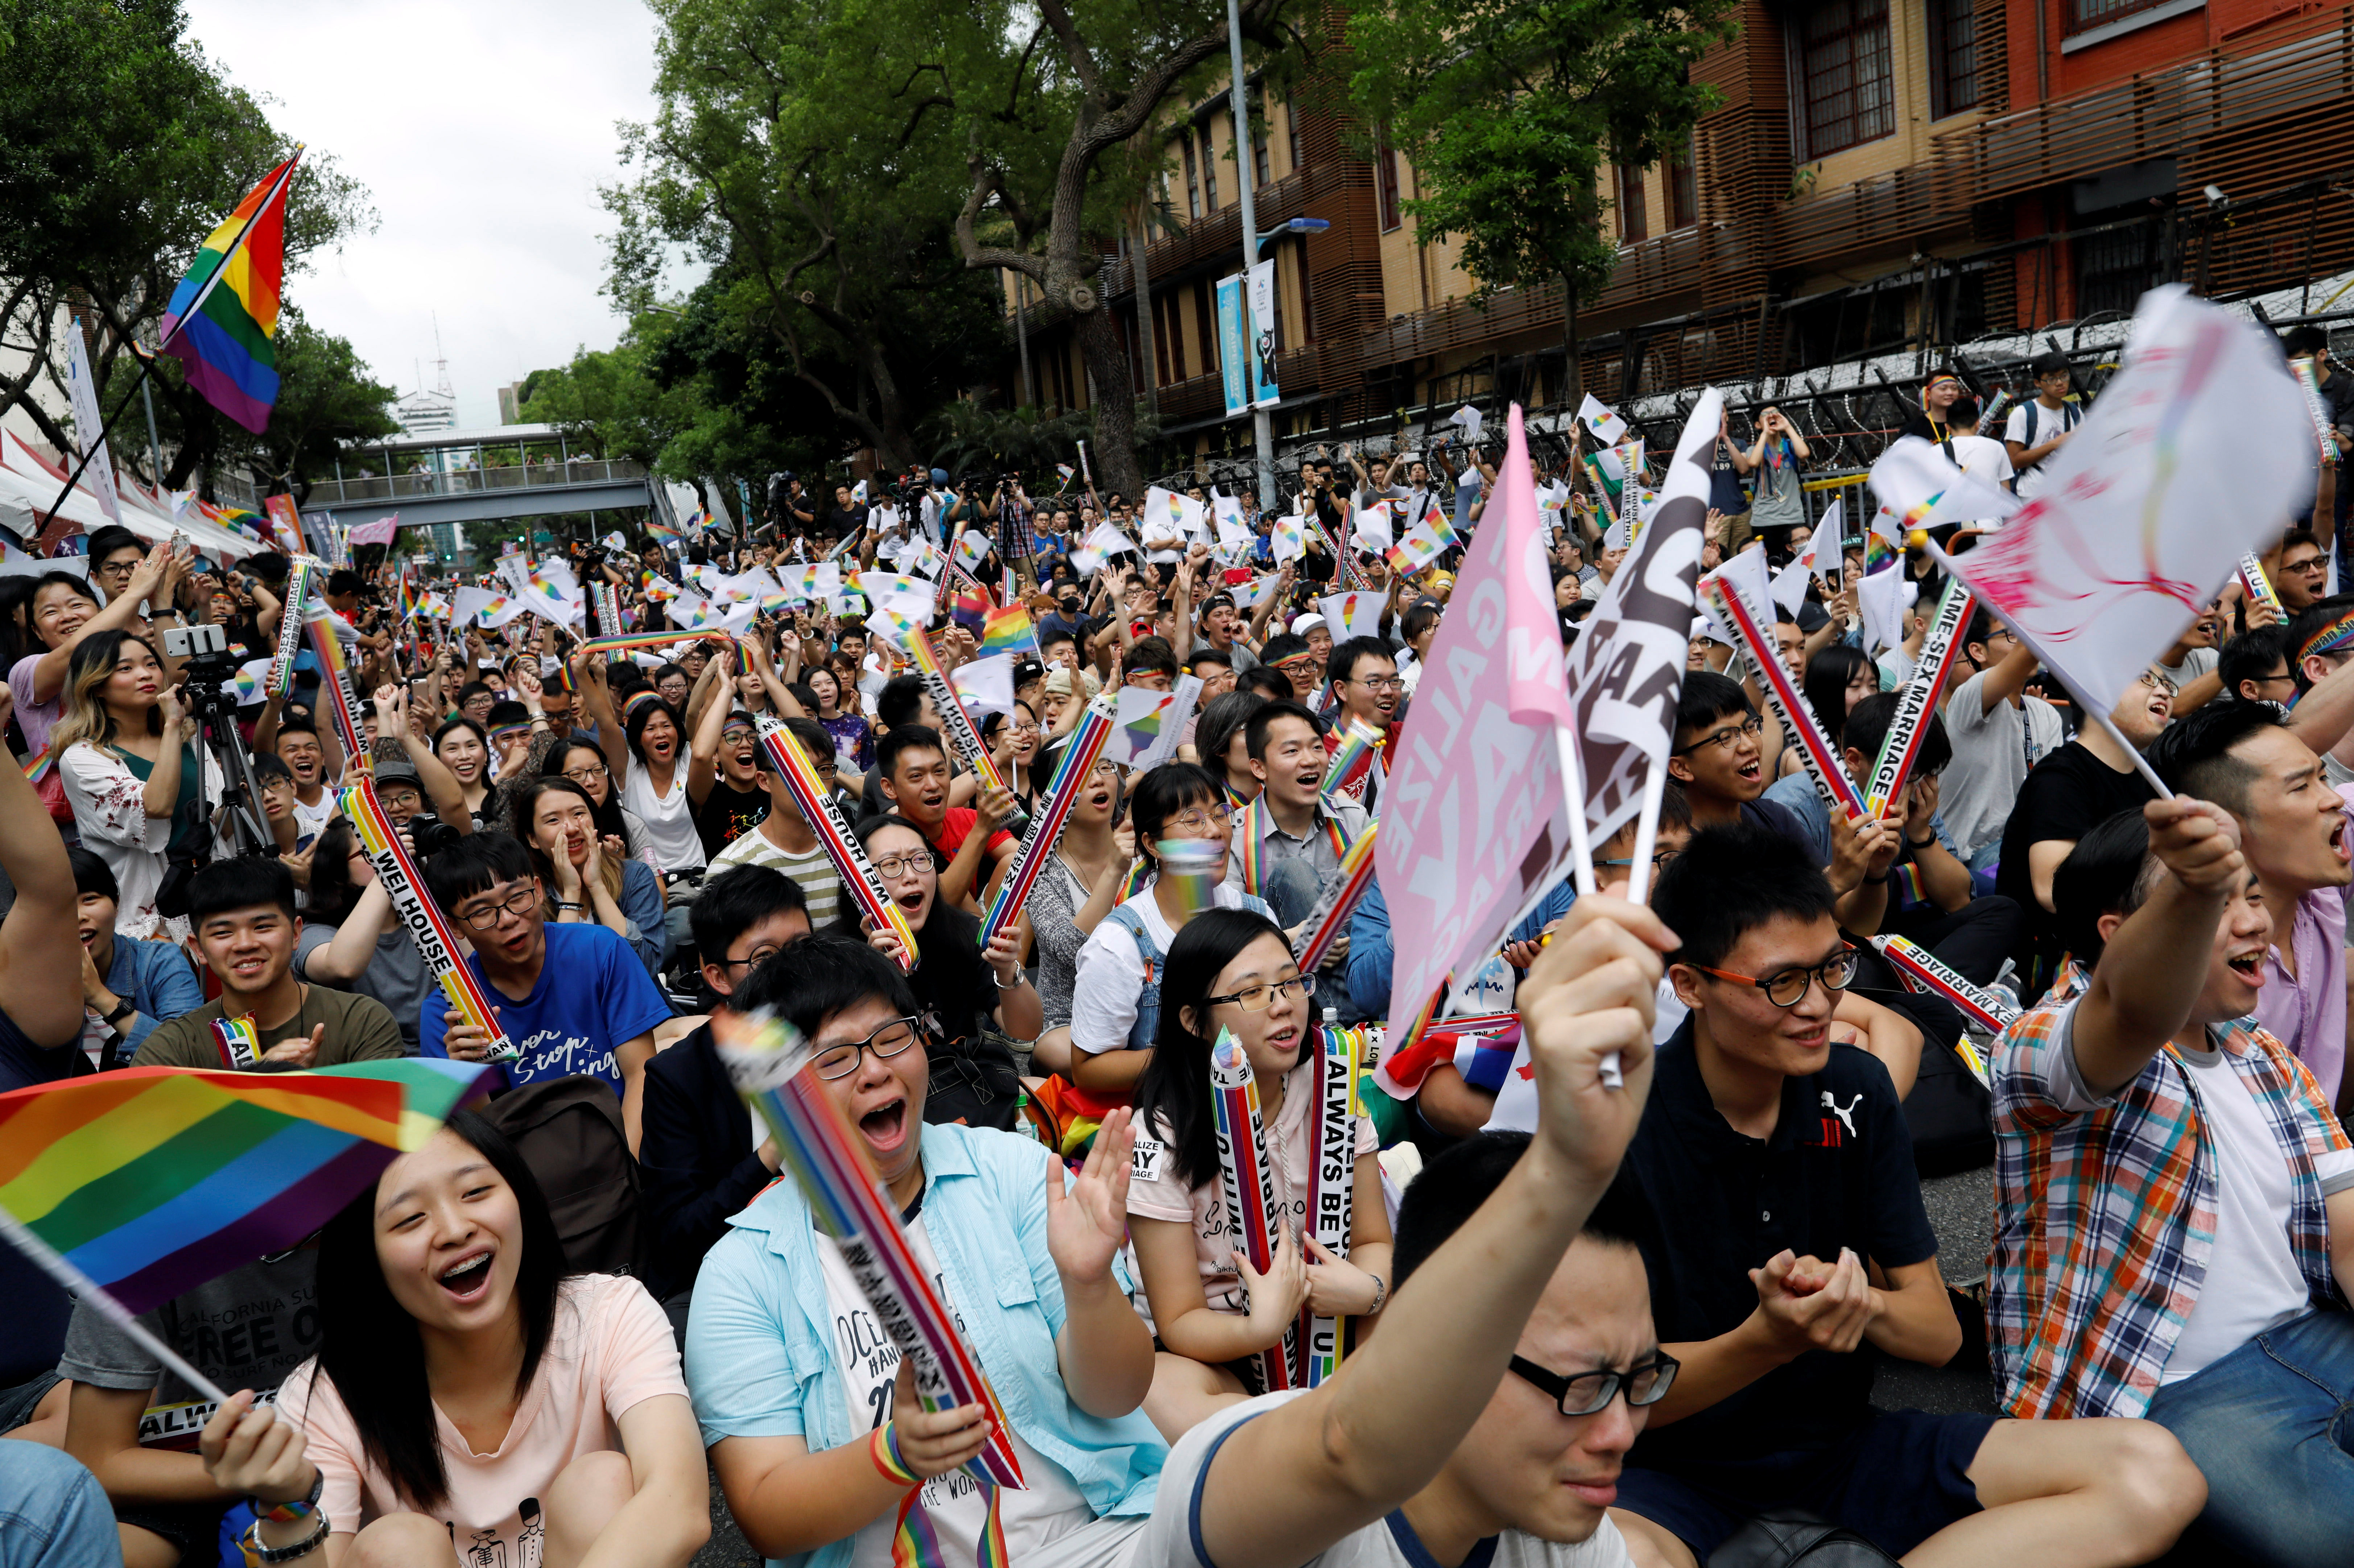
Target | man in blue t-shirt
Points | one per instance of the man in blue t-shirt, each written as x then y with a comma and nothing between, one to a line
574,999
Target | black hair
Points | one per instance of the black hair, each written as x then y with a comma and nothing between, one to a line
475,864
901,699
1150,656
340,583
1210,656
1824,683
633,729
1343,664
459,722
1731,880
91,874
828,974
814,739
868,827
2307,624
270,764
114,536
2250,656
1175,1084
1981,626
1220,721
2193,754
1164,791
1868,726
244,881
2304,339
904,739
506,713
668,668
1707,698
2051,362
1263,718
1457,1182
610,824
1266,683
369,1348
295,724
2297,537
1418,618
737,900
1281,646
2110,872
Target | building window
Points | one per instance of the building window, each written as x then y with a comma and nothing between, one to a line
1205,325
2083,14
1684,190
1385,184
1634,215
1192,179
1168,342
1262,166
1209,167
1847,89
1291,130
1954,56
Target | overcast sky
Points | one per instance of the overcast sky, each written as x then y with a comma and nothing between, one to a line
481,133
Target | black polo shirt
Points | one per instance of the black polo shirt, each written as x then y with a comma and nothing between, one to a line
1837,1171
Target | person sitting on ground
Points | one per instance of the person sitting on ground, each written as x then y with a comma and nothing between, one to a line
352,938
801,1418
913,763
590,877
128,986
697,1127
573,999
2254,668
1222,744
957,983
784,840
243,911
1484,1422
1231,970
1287,844
1999,732
1791,1234
469,1391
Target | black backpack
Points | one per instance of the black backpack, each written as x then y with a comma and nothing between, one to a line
569,1131
1792,1538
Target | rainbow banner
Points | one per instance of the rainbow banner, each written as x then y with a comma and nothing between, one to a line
1901,747
824,819
1249,1184
147,1182
1072,770
299,575
1925,974
238,1042
1009,631
343,703
2258,586
419,916
1789,704
224,313
769,1062
1356,875
630,642
1357,743
1331,1180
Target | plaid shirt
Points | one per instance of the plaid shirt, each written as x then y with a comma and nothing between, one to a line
1014,540
2106,1217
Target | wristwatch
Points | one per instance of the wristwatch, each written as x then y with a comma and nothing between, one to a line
122,1010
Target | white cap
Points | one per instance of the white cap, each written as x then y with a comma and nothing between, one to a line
1303,624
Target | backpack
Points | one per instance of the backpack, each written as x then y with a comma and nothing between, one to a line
1792,1538
569,1131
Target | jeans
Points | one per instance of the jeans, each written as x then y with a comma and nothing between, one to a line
53,1514
2270,1425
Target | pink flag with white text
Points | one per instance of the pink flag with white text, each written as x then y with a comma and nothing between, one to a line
379,533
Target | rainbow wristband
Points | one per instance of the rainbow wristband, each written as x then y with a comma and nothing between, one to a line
883,1447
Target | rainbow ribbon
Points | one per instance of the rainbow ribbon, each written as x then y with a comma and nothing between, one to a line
1249,1184
1072,771
38,765
1192,867
1901,747
1356,743
343,703
240,1042
436,943
631,642
962,735
289,626
824,819
1356,875
1922,973
2259,587
1789,703
1331,1180
769,1062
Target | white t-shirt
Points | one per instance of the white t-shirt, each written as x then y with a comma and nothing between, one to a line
1516,1101
670,819
2049,422
1390,1542
1982,457
1111,975
1993,749
2196,662
310,821
952,1504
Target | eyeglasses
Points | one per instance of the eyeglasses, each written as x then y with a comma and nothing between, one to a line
522,901
1260,998
1382,683
736,735
841,1060
2317,566
1586,1394
900,865
1295,668
1660,859
1201,817
584,774
758,955
1787,987
1750,727
2268,680
2155,682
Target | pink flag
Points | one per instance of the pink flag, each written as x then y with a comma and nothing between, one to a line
1475,821
379,533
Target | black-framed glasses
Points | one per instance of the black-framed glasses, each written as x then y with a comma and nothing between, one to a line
841,1060
583,775
1586,1394
2317,566
900,865
1260,998
760,955
523,900
1751,728
1787,987
1660,859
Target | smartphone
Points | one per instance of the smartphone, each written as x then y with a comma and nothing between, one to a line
199,639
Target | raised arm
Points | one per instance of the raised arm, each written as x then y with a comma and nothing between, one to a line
40,952
596,696
50,674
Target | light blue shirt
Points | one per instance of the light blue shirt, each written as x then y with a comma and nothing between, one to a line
761,1343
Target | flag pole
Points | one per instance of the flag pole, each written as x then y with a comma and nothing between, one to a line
88,1292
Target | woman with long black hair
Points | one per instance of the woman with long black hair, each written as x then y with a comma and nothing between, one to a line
466,1390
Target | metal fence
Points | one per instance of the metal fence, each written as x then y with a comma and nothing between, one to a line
553,474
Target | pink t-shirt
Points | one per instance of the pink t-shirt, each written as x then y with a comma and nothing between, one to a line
609,1349
1154,1193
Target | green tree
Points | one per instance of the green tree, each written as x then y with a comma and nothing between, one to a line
609,401
326,397
1510,112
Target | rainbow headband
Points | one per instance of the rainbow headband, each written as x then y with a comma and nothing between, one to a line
841,847
2334,638
436,943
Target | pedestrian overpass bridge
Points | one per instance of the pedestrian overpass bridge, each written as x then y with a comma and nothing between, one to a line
534,489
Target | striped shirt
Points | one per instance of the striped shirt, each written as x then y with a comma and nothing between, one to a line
2107,1208
814,871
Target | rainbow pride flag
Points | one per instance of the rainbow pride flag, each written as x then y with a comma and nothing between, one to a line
1009,631
153,1179
969,605
221,318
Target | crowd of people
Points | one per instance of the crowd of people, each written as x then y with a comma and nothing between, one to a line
1596,1314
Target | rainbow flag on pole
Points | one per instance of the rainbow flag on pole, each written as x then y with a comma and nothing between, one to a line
221,318
151,1181
1009,631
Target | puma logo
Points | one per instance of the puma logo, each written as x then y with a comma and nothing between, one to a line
1847,1115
